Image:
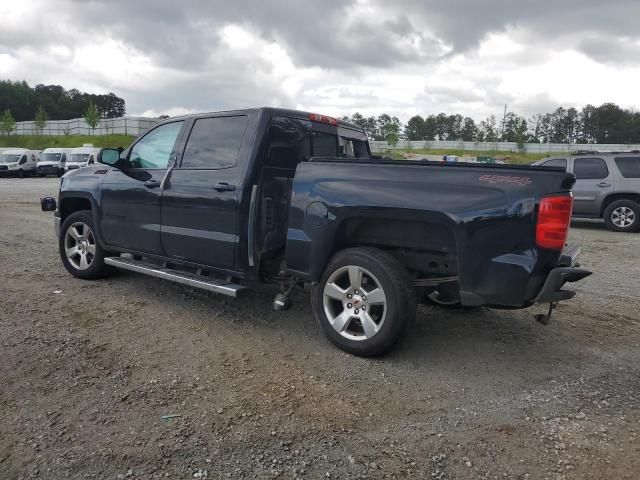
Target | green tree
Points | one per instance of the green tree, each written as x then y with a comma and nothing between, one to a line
469,130
7,122
92,117
41,119
386,126
415,128
487,130
392,139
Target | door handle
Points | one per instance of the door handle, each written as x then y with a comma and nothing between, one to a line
224,187
604,184
152,184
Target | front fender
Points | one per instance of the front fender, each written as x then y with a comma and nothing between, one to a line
78,190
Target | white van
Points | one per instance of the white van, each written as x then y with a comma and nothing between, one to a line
52,161
19,161
84,156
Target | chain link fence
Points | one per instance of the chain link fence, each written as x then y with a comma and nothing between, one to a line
502,146
78,126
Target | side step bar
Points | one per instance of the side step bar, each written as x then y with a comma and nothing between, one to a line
184,278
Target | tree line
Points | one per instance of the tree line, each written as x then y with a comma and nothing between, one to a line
24,102
607,123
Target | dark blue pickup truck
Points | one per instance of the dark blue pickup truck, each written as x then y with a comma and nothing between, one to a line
218,201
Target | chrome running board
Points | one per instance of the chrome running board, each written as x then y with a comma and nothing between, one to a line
185,278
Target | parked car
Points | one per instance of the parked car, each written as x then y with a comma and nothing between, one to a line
607,186
52,161
84,156
218,201
19,162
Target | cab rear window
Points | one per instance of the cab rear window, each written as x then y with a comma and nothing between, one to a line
293,140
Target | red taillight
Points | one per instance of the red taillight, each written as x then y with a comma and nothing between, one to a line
554,217
316,117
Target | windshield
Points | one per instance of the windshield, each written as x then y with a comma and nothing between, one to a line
10,158
51,157
79,157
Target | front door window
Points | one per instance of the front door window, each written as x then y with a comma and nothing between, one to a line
154,149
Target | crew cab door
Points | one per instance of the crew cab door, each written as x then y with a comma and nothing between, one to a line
593,183
200,200
131,197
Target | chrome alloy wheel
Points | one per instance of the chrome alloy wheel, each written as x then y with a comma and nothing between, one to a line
80,245
354,303
623,217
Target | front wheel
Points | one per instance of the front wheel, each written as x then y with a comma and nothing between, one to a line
364,301
622,216
80,251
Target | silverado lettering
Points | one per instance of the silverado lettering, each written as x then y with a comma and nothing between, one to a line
505,179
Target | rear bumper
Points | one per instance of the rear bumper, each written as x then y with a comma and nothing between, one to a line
565,272
552,289
521,280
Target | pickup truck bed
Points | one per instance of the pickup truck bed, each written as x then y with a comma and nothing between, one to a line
479,216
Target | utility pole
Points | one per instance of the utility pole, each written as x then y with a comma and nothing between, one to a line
504,120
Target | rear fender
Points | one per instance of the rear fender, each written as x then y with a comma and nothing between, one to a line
323,233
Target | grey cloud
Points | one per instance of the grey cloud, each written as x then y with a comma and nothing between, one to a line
611,50
464,23
182,40
182,34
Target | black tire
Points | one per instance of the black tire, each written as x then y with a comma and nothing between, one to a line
399,307
622,216
96,266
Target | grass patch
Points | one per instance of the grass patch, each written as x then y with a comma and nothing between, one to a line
40,142
508,157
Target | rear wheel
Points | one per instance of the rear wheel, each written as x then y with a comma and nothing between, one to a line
364,302
622,216
80,250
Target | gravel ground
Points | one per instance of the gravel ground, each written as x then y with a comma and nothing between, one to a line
133,377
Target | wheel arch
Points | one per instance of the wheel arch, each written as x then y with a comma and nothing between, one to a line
426,243
614,197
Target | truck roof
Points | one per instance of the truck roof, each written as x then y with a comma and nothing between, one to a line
275,112
15,151
85,150
56,150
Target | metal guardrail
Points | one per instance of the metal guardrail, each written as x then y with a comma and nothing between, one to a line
79,126
502,146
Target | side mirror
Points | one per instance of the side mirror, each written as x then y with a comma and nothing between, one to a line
109,156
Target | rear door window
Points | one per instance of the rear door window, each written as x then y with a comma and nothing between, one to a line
214,143
289,142
590,168
629,166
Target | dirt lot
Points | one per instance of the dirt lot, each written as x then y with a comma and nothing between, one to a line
90,373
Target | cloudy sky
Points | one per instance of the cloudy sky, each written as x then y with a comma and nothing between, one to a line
336,57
